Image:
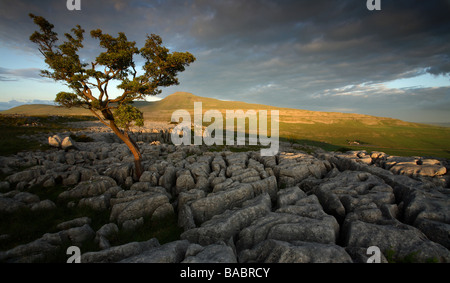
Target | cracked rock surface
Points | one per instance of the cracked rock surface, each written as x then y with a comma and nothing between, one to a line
235,206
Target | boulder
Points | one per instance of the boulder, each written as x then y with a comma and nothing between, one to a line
78,236
172,252
119,172
55,141
289,196
151,177
429,211
118,253
352,190
10,205
43,205
67,143
216,203
24,176
77,222
138,205
100,203
295,167
288,227
223,226
413,169
185,182
396,239
103,235
273,251
46,247
215,253
96,186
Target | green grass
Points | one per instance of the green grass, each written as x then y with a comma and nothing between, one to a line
328,130
409,140
15,126
392,257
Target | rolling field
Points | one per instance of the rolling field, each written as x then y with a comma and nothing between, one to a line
329,130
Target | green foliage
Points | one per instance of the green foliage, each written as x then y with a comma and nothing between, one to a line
126,114
68,99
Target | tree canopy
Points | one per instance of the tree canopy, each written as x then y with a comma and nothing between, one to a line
89,82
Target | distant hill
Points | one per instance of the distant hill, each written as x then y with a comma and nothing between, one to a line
329,130
46,109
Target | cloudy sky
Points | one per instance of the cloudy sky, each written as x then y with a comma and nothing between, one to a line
325,55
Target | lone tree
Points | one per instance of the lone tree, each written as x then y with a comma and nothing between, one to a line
89,82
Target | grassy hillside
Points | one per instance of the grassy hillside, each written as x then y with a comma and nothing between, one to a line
46,110
329,130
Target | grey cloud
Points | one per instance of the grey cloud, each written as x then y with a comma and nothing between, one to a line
302,49
16,74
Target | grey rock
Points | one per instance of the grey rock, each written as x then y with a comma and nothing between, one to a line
172,252
307,206
429,204
215,253
163,211
273,251
78,236
77,222
436,231
48,245
295,167
119,172
352,190
168,179
24,176
72,179
218,163
144,205
185,182
228,224
27,198
96,186
289,196
246,176
35,251
361,255
394,237
103,235
429,210
216,203
118,253
151,177
10,205
43,205
289,227
268,185
133,224
99,203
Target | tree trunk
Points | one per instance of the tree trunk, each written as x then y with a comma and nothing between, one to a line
131,145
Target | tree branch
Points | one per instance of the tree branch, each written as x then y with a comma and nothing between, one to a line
98,116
